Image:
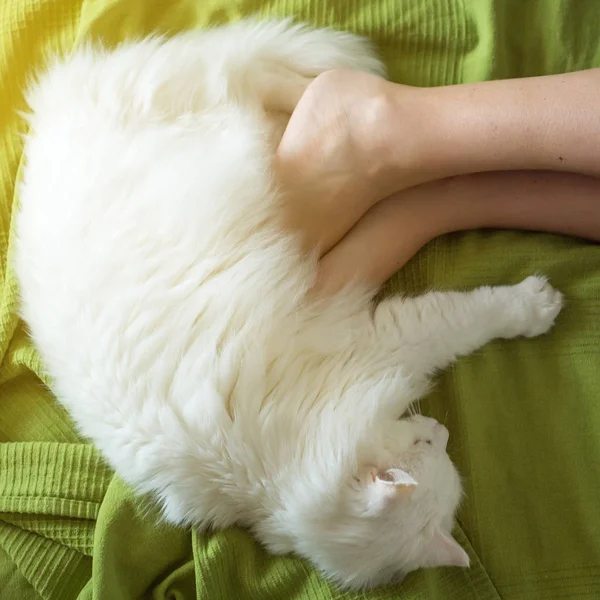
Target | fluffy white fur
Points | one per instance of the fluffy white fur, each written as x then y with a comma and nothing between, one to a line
173,315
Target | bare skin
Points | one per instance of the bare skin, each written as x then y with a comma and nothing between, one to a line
396,228
356,147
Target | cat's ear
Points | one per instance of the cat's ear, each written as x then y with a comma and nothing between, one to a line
445,551
387,487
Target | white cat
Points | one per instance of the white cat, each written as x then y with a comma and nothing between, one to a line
173,311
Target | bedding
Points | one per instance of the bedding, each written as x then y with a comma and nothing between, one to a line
524,416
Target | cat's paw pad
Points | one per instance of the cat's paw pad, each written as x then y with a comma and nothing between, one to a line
537,304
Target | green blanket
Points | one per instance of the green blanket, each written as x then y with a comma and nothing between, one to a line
524,415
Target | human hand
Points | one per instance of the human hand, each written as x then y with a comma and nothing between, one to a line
336,159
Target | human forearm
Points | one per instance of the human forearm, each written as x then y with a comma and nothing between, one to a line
564,203
395,229
543,123
355,139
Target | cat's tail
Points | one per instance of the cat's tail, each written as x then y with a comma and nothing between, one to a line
269,63
296,46
274,60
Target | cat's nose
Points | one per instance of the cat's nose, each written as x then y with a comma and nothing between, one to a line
438,431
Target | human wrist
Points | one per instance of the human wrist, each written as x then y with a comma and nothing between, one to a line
464,129
470,128
408,148
428,134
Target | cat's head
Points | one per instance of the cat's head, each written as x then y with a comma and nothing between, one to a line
388,512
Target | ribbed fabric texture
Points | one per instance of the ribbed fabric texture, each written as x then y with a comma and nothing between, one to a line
523,415
69,480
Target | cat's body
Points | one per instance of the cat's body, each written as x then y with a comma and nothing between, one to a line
172,310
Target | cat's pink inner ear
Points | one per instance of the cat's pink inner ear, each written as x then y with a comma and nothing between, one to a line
383,489
394,484
445,551
396,477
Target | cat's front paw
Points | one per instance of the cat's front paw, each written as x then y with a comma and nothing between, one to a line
536,305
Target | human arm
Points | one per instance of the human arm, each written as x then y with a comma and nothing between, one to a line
355,139
395,229
535,123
